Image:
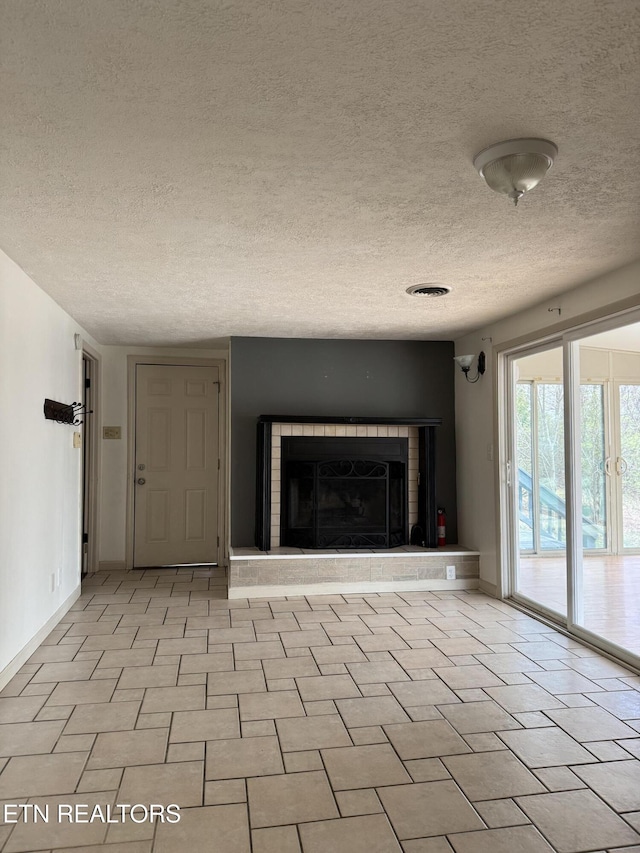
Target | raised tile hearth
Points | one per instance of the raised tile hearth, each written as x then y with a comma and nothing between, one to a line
296,571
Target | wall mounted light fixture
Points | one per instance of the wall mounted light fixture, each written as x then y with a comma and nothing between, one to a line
464,362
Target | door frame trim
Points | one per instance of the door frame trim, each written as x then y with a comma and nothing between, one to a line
92,424
178,361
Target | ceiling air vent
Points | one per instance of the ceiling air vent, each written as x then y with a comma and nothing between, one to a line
428,290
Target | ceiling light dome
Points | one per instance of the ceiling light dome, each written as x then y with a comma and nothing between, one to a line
517,166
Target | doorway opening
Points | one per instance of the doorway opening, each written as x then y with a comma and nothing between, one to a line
90,462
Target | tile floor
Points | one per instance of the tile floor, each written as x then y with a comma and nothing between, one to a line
419,722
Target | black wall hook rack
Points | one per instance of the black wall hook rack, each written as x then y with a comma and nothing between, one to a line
65,413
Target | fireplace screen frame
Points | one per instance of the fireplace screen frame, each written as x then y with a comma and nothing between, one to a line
425,529
345,472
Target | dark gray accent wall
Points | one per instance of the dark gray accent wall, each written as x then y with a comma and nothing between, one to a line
290,376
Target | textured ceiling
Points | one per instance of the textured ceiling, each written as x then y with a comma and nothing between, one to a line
176,172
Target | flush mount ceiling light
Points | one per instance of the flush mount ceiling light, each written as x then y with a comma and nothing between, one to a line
428,290
517,166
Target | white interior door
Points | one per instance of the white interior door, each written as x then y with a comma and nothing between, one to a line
176,465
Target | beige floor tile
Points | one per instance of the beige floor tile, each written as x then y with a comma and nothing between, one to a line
163,783
56,833
500,813
305,639
368,734
303,733
126,657
345,653
492,775
222,793
586,724
159,699
100,780
508,662
225,683
228,825
559,779
54,654
427,770
29,738
624,704
376,673
381,642
297,762
421,659
365,834
292,798
519,698
316,688
563,681
206,663
428,808
82,692
235,758
103,717
191,646
371,711
269,706
75,743
148,676
20,709
607,750
484,742
204,725
427,692
352,803
546,748
459,646
364,767
121,749
438,844
468,677
276,839
258,651
104,642
428,739
595,666
576,821
617,782
523,839
35,775
475,717
298,667
185,752
259,728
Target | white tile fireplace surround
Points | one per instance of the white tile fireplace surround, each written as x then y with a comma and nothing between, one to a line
346,431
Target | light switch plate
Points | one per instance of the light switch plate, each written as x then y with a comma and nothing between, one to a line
451,573
77,439
112,432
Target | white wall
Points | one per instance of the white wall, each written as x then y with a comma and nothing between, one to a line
40,501
113,502
476,405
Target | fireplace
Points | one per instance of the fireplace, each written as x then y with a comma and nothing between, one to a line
345,483
343,492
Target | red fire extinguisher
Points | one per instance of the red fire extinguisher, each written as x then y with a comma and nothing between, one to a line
441,528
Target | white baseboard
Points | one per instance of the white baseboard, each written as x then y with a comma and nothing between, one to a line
489,588
112,566
24,654
340,588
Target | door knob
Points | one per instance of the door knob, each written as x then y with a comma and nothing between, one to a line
141,481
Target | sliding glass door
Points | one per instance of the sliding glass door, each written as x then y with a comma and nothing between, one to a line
571,485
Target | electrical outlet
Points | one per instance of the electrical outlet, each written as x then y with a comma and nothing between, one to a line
58,577
112,432
451,573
